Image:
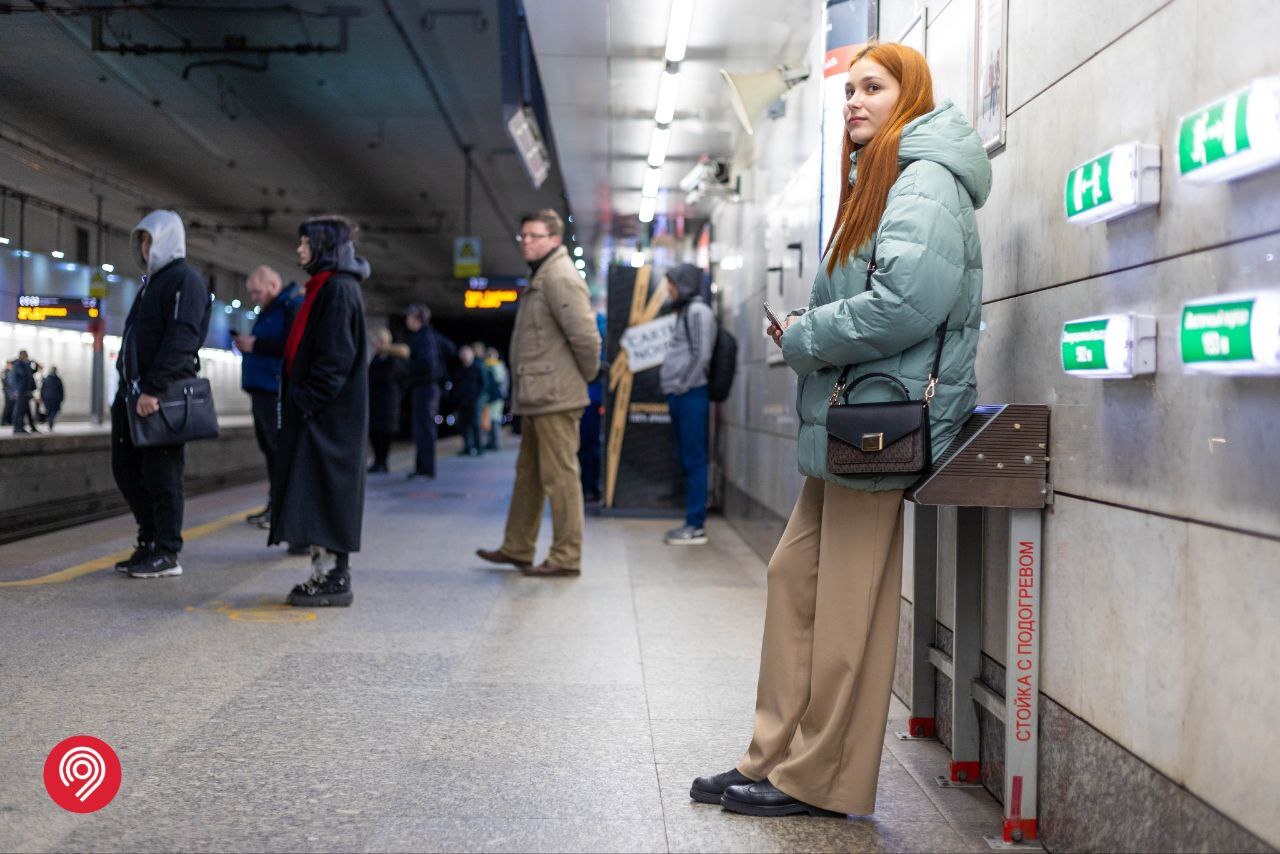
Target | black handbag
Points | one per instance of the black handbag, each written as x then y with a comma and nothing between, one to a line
186,412
884,437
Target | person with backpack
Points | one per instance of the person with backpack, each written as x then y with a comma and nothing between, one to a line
684,381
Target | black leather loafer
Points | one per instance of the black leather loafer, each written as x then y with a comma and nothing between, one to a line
707,790
766,799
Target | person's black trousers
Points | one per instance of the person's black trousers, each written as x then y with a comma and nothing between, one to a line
381,442
589,451
266,426
150,479
22,413
426,402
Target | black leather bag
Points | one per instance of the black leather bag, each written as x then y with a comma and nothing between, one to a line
186,412
884,437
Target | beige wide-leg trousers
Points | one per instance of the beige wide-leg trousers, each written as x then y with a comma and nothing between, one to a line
547,467
830,638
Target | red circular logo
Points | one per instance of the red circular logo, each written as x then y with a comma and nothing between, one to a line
82,774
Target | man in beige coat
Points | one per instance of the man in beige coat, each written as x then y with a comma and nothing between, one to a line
555,352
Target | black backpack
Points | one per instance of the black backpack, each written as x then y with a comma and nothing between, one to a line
724,363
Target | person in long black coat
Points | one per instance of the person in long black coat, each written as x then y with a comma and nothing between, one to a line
387,373
51,395
324,415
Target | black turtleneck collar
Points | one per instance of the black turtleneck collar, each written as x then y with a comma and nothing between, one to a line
534,265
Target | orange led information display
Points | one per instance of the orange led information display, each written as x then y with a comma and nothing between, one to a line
489,299
41,308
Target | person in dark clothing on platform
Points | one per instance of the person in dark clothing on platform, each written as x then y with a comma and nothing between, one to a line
162,336
324,407
469,394
263,355
10,393
427,368
387,374
23,377
589,433
51,395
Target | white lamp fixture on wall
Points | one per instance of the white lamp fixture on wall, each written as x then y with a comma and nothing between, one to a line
750,94
1236,334
1110,346
1233,137
1121,181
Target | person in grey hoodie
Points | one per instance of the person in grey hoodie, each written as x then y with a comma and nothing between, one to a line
162,336
684,382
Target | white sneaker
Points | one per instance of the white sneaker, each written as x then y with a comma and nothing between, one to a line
687,536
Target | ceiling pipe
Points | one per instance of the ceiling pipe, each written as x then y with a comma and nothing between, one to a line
464,148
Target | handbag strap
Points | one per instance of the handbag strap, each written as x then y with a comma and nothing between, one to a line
929,390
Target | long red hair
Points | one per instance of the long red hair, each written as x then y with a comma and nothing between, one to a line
862,204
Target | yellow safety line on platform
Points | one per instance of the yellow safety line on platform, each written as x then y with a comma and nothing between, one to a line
108,561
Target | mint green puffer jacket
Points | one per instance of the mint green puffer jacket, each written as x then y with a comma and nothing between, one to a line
929,268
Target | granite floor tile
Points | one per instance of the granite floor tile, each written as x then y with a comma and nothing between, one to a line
522,789
520,835
551,659
481,701
712,744
540,740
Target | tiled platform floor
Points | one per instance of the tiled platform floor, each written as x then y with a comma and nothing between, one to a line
456,706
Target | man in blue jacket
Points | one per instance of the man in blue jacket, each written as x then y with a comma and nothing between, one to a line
260,366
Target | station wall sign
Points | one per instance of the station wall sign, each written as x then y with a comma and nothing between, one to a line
466,257
1119,182
36,308
1109,346
1233,137
1236,334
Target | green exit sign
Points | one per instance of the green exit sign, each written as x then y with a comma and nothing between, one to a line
1233,334
1235,136
1110,346
1121,181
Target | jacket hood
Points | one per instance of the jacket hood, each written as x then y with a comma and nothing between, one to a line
349,262
688,279
168,240
944,136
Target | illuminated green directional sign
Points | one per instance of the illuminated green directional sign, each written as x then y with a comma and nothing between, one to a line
1232,334
1236,136
1119,182
1112,346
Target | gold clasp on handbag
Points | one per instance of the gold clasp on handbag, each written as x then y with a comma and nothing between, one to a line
835,393
872,441
930,390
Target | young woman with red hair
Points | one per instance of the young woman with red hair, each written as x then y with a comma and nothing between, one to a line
902,261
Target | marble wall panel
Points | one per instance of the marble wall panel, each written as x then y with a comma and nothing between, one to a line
1129,91
950,52
1231,604
1116,639
1197,447
1047,41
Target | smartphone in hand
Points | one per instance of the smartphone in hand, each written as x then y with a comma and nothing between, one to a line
773,318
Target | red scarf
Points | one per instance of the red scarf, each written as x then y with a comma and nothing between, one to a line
299,327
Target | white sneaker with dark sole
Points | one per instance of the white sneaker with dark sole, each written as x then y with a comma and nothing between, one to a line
158,565
687,536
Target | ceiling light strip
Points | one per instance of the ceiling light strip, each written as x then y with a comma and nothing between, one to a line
678,29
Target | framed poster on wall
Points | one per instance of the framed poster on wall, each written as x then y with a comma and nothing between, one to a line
991,73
